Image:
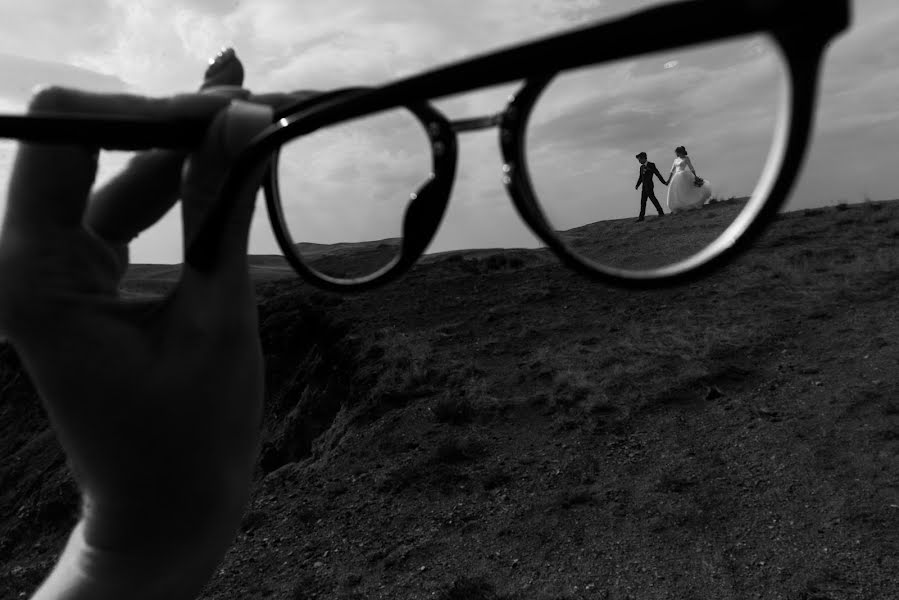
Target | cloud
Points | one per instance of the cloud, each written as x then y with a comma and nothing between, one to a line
50,30
641,100
376,42
215,8
22,75
161,46
856,133
158,47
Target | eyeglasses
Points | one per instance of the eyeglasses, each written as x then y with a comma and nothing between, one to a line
737,79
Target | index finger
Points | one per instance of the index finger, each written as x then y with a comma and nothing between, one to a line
50,183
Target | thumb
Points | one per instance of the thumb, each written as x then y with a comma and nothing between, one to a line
206,171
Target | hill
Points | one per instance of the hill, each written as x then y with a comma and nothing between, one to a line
494,427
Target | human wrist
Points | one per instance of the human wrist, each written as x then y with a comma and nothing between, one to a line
84,572
170,522
144,553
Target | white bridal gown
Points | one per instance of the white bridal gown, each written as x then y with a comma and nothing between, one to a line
682,192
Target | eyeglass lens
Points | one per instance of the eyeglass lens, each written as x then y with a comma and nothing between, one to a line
709,111
345,189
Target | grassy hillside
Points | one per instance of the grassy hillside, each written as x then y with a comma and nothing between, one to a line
495,427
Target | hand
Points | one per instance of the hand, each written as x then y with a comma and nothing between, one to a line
157,404
157,174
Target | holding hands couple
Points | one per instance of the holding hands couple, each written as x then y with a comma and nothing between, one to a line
686,191
157,404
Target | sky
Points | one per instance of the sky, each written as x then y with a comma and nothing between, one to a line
351,184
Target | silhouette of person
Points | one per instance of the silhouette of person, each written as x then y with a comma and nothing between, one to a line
648,171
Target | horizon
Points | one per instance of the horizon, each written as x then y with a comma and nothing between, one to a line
160,47
434,252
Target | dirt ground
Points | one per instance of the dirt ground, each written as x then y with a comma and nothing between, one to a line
495,427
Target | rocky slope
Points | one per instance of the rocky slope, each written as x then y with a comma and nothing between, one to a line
495,427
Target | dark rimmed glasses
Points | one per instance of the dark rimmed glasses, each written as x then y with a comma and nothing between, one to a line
735,82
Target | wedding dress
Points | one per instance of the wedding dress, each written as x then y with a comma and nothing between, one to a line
682,191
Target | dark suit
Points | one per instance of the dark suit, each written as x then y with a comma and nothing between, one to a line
647,172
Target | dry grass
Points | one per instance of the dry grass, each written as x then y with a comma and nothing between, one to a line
394,368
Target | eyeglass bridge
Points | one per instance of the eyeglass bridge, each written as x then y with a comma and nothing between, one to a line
477,123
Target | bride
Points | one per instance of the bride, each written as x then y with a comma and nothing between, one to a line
683,194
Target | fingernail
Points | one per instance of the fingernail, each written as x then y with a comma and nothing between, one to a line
40,88
222,54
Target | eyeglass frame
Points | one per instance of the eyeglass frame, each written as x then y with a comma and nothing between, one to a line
801,40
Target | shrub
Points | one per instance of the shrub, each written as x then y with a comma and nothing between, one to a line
453,409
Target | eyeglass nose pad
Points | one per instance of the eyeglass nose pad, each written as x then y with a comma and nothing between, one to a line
428,205
424,214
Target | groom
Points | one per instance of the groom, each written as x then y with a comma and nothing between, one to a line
648,170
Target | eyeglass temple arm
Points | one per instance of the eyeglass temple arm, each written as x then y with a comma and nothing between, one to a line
660,28
113,133
130,133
